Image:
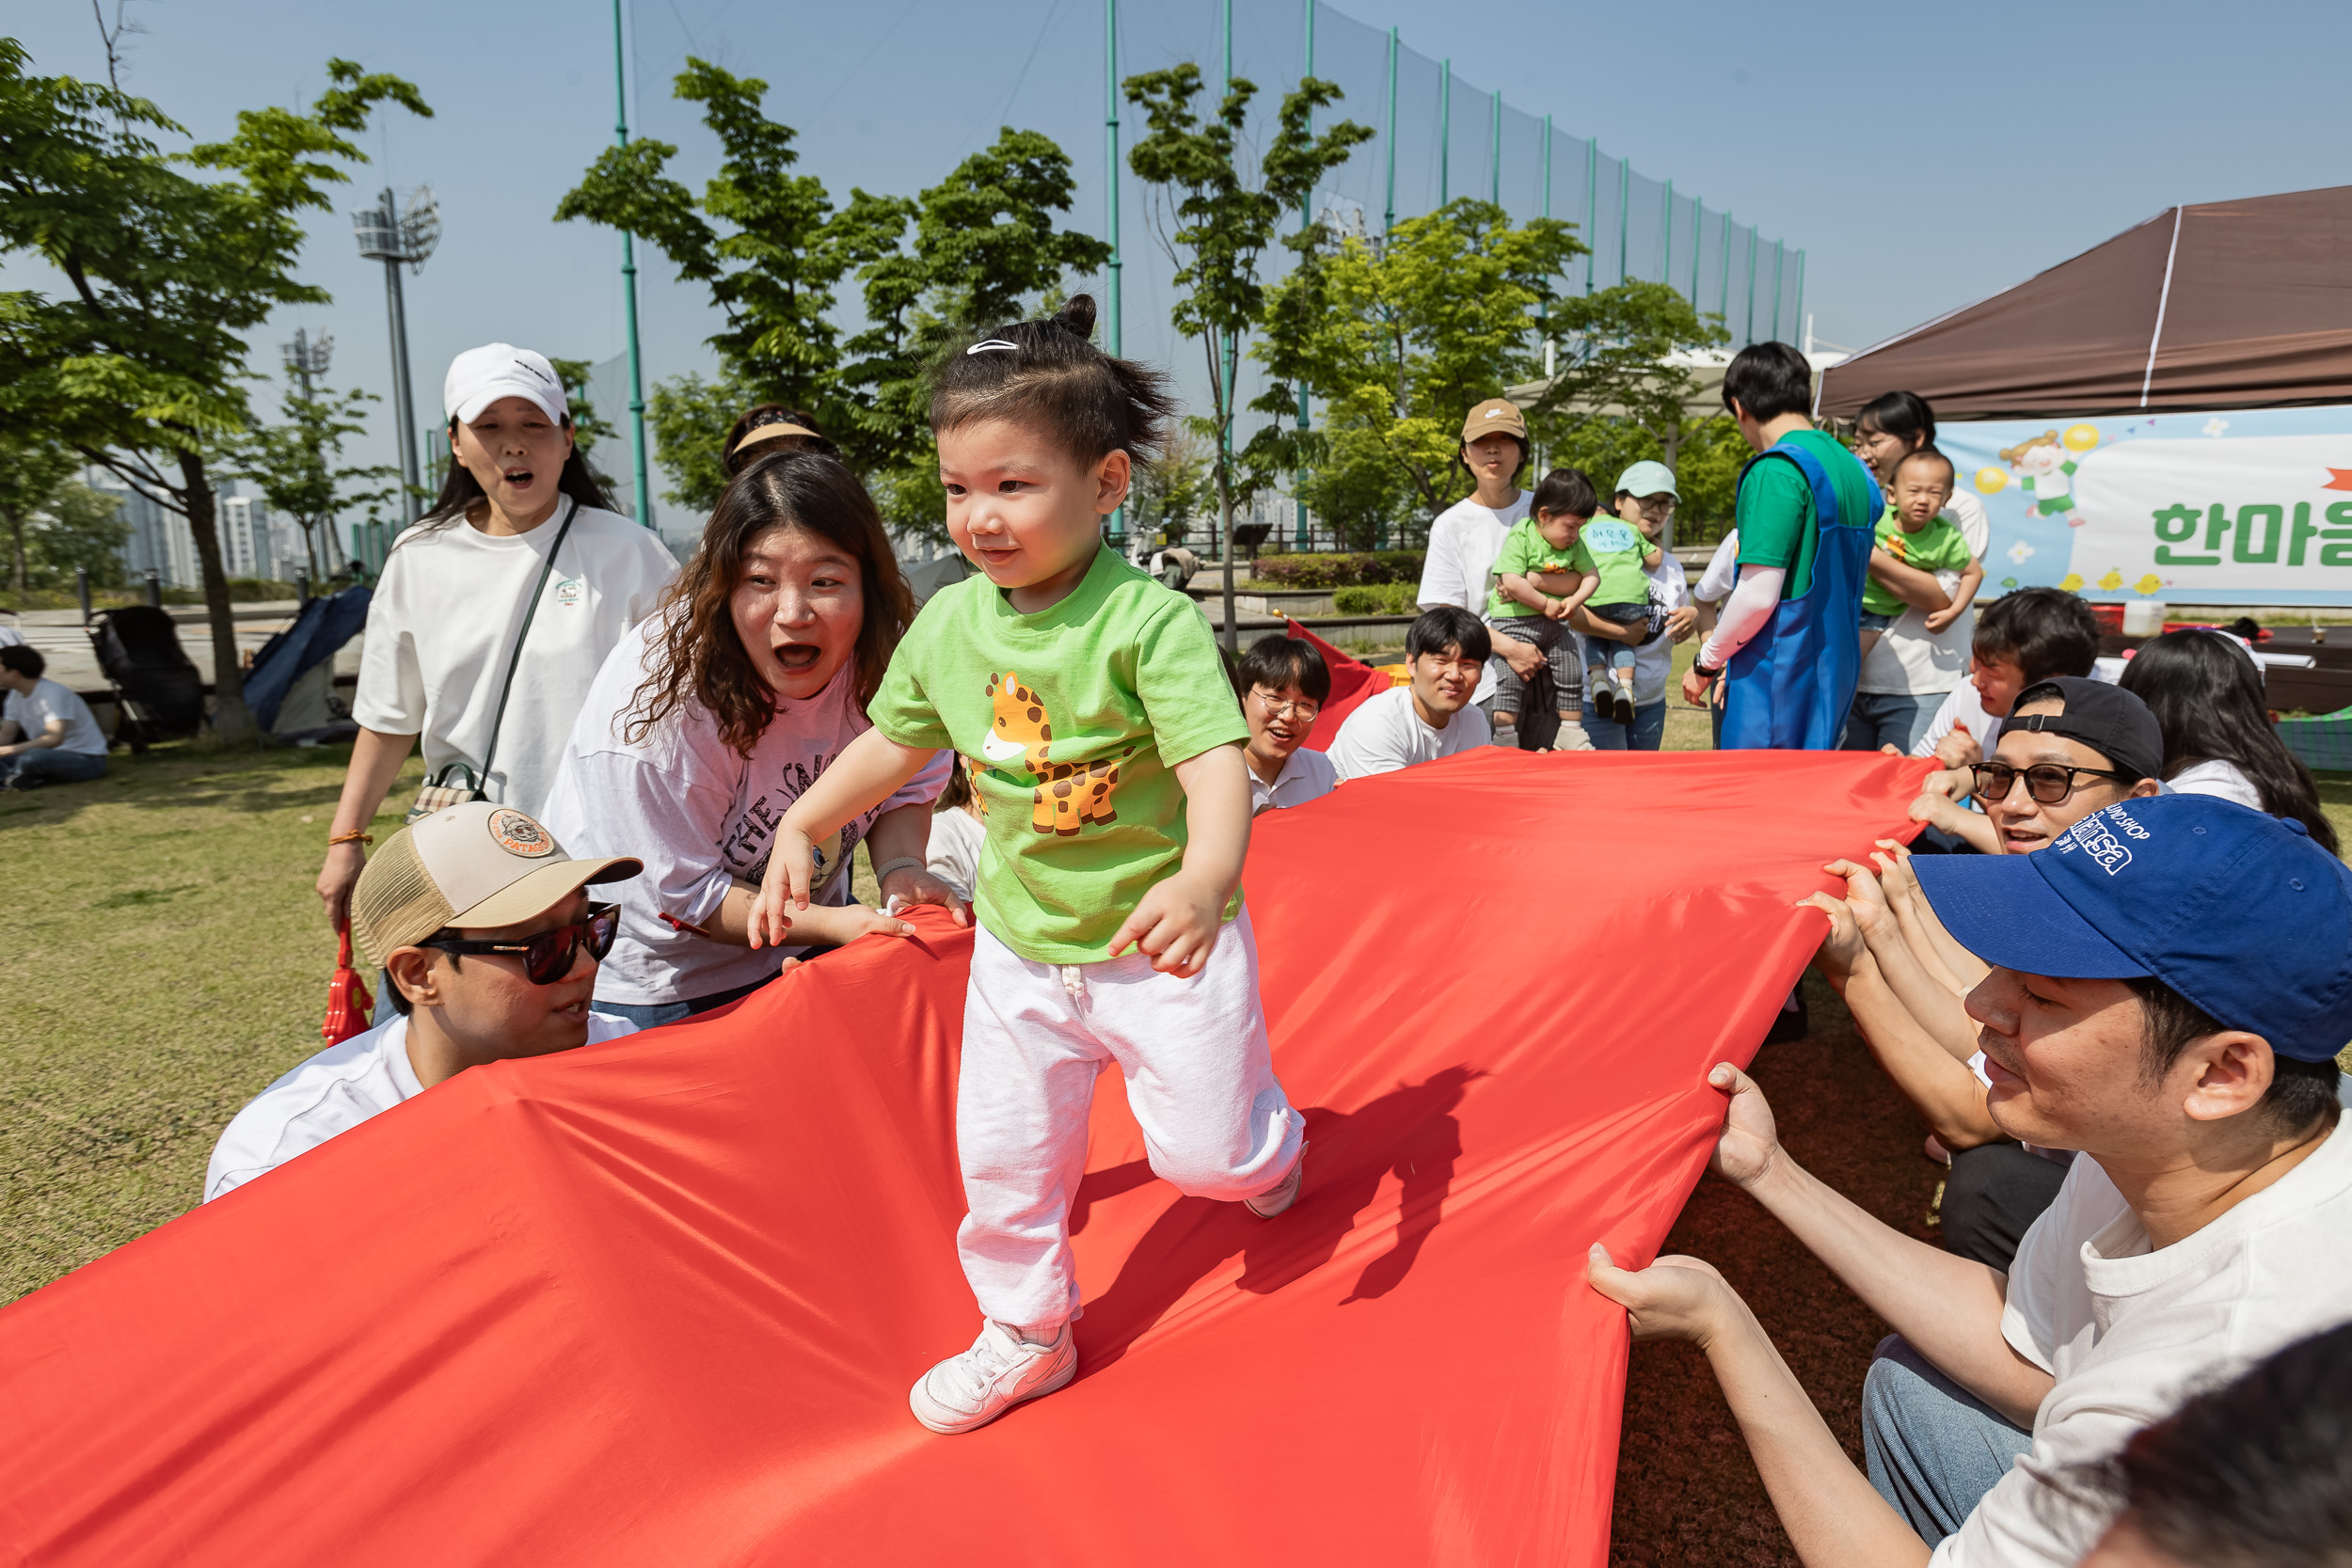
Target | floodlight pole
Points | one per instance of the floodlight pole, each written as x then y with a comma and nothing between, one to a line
1445,131
404,405
1625,209
1110,165
1698,245
1666,256
628,288
1494,149
1388,218
1749,330
1779,250
1299,535
1592,207
1722,301
1808,333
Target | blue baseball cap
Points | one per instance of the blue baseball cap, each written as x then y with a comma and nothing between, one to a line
2239,912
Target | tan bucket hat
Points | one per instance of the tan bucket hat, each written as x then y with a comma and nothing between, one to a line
1494,416
479,864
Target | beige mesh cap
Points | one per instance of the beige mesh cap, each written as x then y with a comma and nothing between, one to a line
1494,416
479,864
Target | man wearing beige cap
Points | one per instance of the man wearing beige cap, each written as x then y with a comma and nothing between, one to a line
490,942
1465,538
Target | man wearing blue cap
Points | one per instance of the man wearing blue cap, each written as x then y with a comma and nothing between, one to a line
2171,980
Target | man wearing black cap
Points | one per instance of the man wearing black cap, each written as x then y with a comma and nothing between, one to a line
2171,979
2054,720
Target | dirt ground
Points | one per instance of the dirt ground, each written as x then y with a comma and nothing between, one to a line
1687,1492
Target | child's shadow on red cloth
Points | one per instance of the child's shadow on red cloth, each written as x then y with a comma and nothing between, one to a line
1411,1131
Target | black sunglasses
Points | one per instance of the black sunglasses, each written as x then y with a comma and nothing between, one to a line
2046,781
548,957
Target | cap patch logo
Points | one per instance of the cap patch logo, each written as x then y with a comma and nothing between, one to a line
2111,852
518,834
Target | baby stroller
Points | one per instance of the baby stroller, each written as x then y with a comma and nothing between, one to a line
158,690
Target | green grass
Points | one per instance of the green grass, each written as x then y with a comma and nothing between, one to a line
163,958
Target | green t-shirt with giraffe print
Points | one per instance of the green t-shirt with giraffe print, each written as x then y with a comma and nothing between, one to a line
1072,720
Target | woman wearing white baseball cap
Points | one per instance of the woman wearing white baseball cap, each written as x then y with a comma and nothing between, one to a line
494,613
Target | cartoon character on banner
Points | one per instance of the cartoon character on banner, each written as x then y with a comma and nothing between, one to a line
2046,472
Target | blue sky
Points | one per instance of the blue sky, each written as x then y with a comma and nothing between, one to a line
1923,156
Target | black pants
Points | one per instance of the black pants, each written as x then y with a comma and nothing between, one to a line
1992,1197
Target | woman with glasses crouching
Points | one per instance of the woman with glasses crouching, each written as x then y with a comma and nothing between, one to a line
1284,683
2068,748
491,942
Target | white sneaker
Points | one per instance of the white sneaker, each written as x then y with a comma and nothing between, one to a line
1282,1193
1000,1371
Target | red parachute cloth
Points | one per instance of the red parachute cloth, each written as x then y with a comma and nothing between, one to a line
1352,682
661,1300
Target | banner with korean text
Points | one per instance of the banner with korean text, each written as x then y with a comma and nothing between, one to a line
2247,506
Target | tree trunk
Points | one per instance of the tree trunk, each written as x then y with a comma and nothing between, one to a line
231,721
1225,548
16,533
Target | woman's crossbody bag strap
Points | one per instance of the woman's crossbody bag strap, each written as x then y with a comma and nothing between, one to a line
457,784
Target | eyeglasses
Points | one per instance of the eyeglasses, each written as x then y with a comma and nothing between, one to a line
1275,708
2046,781
548,957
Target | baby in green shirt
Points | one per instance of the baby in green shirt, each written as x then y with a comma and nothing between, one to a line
1540,553
1916,542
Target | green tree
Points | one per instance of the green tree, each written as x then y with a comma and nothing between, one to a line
167,258
297,465
1168,494
1618,389
79,528
32,466
776,254
1215,226
1397,339
588,427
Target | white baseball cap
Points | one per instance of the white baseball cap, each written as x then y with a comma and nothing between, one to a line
479,864
480,376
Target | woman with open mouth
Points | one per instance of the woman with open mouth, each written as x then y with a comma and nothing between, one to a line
710,719
493,611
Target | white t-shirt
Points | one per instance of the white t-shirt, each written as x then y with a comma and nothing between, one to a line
2223,780
1464,540
1723,571
1385,734
954,854
700,817
1306,774
1961,705
333,1092
2129,1333
442,626
1653,662
1909,660
47,700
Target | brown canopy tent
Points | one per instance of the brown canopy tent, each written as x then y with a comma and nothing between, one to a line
2222,305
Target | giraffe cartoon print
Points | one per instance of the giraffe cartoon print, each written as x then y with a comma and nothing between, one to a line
1069,795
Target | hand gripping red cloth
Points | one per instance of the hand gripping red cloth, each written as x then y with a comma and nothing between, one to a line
661,1300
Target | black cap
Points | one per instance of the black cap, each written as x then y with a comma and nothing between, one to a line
2108,719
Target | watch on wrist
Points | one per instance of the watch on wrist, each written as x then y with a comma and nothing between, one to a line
1704,673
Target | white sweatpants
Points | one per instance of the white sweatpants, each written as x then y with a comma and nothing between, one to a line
1199,1079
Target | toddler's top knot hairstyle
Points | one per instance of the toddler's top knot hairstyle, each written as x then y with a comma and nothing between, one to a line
1049,375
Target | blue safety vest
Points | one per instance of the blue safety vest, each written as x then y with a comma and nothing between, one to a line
1790,687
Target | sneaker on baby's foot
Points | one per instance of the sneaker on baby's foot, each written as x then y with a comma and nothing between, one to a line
1280,1196
999,1371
